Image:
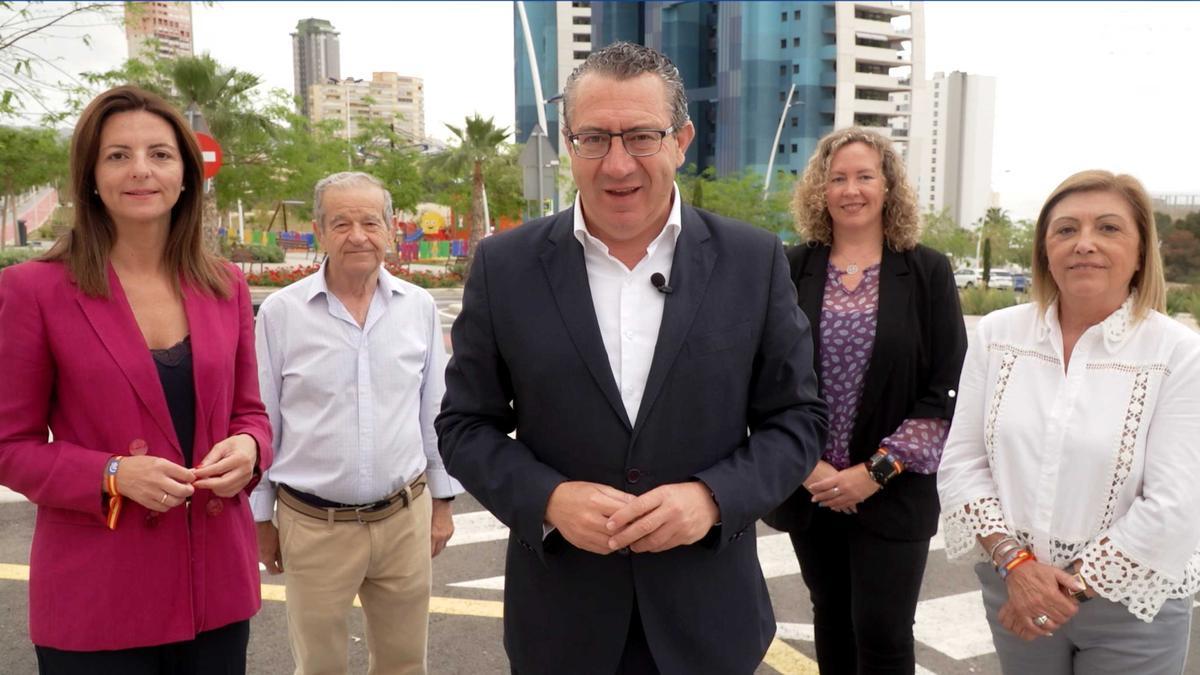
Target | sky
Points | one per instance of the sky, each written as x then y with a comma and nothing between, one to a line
1079,85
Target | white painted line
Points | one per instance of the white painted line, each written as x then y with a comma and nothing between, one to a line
490,584
954,625
9,497
776,556
476,527
794,631
924,671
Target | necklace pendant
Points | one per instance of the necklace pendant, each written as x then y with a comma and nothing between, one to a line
852,268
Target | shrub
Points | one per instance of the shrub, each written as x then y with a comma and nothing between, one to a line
12,256
1184,299
280,277
266,253
977,301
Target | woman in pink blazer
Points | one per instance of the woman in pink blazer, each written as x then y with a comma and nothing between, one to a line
135,347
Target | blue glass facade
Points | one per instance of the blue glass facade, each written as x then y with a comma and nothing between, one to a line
738,61
543,28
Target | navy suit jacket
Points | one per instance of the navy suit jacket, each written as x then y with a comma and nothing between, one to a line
731,400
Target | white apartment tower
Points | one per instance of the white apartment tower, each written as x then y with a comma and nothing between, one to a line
954,168
880,45
162,29
316,57
390,98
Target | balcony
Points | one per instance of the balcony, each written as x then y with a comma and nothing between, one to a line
885,82
862,105
886,132
886,57
880,28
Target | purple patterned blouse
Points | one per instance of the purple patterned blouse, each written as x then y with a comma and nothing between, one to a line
847,339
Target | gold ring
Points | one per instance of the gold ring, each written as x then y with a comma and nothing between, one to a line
164,499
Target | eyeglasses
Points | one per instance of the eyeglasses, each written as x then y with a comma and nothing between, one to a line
637,142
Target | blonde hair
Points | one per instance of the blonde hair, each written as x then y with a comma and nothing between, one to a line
901,223
1148,279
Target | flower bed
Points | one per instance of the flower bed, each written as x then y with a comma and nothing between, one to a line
279,277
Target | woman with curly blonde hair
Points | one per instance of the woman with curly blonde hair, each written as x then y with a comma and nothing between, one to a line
890,343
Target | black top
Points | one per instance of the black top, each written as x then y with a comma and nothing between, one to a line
174,366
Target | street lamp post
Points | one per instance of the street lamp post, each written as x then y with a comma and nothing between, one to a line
778,133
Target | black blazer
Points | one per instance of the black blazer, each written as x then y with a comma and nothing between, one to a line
734,353
920,343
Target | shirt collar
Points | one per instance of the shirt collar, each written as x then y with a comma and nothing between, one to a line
1117,327
673,226
318,286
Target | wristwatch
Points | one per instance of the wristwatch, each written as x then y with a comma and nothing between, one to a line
882,467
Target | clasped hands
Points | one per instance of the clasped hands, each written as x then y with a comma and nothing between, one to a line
1035,592
160,484
841,490
602,519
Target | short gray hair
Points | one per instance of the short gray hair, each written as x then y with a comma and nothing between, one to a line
625,61
349,179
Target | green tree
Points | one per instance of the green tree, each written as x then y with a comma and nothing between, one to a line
739,196
479,142
987,262
27,78
391,157
29,158
1020,243
1181,255
941,233
997,227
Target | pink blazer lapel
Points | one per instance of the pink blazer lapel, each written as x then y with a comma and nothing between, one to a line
113,321
209,365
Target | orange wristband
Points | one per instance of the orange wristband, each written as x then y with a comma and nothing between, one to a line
1023,556
114,496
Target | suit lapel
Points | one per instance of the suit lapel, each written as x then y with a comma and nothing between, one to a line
562,258
690,272
113,321
895,285
810,289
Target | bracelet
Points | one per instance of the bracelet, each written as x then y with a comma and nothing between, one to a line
114,495
997,545
1023,556
1006,557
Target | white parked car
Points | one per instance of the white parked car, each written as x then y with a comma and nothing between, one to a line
968,278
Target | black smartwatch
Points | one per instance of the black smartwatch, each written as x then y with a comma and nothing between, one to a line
883,467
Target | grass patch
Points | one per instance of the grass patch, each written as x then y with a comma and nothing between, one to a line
12,256
977,301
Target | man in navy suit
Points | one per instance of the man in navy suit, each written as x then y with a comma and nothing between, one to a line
657,371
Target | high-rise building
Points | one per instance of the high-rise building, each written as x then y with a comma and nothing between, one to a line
953,168
316,57
562,39
161,29
847,60
390,98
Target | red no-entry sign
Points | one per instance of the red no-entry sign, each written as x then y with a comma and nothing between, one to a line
211,151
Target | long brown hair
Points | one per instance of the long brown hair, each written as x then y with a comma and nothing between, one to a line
1147,280
85,248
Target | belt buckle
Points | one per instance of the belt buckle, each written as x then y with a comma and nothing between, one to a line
359,510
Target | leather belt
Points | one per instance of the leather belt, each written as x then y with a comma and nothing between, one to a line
334,512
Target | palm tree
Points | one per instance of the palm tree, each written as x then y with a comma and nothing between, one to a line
479,144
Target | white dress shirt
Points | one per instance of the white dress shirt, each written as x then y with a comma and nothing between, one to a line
352,407
628,307
1100,462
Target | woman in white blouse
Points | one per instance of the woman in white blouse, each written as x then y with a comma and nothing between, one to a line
1072,469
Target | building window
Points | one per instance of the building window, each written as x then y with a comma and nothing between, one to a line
783,43
582,20
794,172
783,70
579,56
794,147
582,37
783,16
796,16
795,68
795,121
795,42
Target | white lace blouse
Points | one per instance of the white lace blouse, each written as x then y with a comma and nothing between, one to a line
1100,462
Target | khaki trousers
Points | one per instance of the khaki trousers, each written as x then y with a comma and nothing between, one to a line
385,563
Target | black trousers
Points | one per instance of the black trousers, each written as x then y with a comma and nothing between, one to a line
864,591
221,651
636,658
